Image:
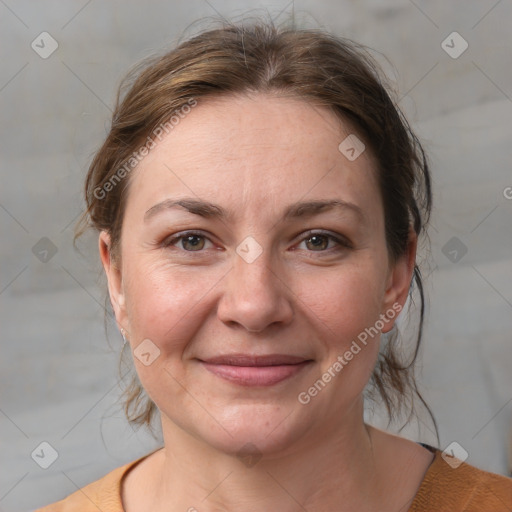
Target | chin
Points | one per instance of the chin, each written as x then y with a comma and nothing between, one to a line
265,429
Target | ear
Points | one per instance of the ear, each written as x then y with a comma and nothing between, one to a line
399,283
114,278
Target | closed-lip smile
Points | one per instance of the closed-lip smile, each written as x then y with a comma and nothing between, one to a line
255,370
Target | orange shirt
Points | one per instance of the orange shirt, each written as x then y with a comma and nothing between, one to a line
462,489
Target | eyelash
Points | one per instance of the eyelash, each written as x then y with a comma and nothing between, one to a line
342,242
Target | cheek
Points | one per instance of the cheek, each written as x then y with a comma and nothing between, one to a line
346,308
166,304
167,307
347,300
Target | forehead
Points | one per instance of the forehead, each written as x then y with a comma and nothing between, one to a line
252,151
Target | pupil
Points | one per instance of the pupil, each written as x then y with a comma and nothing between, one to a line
193,240
317,241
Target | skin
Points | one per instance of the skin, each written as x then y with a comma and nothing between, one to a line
254,156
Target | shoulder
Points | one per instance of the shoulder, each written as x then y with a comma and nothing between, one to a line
103,494
456,486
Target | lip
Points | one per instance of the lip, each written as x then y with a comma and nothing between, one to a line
252,370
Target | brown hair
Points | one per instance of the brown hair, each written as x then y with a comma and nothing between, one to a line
330,71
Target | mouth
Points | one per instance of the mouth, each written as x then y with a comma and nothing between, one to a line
251,370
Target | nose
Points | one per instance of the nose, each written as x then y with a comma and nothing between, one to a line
255,295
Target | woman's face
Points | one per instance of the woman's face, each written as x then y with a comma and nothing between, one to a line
250,266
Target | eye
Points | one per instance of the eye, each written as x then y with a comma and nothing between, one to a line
322,242
191,241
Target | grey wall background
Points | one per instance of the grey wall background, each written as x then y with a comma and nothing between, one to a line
58,372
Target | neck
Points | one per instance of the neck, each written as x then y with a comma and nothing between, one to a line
330,469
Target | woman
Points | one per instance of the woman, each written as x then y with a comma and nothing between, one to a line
259,200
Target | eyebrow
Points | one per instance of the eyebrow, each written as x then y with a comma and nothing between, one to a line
211,210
